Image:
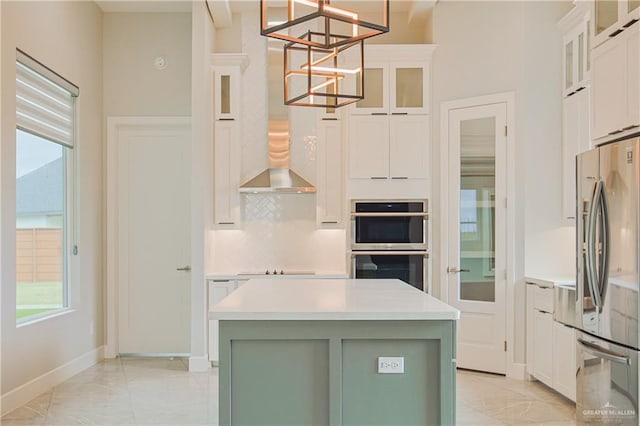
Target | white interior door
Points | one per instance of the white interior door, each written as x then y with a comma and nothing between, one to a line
476,269
153,211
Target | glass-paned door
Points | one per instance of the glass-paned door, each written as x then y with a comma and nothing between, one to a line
477,233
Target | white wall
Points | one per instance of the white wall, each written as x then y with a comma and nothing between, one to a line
132,85
549,240
67,37
492,47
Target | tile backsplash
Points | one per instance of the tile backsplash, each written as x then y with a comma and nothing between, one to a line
279,231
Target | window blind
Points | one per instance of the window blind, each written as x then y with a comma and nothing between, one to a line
44,101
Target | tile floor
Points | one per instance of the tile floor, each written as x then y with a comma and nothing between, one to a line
133,391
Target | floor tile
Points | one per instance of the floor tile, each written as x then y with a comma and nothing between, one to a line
137,391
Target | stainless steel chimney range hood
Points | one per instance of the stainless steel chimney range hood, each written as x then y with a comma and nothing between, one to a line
278,177
282,181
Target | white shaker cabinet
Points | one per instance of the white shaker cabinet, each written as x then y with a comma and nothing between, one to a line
218,290
576,110
542,349
576,138
564,360
329,191
551,345
576,42
368,147
395,147
540,333
611,17
616,86
226,174
397,80
389,130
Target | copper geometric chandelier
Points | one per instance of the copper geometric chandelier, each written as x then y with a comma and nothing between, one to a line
339,21
324,53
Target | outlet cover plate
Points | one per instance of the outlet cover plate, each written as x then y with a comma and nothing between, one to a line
391,365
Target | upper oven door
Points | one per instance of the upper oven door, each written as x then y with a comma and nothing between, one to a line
389,225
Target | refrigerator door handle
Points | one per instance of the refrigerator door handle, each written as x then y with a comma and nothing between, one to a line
592,279
603,279
603,353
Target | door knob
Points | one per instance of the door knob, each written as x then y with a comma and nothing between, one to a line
184,268
454,269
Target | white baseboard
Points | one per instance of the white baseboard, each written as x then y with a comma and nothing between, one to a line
199,363
517,371
33,388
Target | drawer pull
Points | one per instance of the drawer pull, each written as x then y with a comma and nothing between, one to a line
616,32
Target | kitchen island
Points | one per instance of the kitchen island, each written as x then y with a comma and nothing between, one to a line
335,351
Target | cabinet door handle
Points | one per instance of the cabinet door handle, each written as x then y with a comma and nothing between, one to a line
399,177
399,113
616,32
378,177
330,222
630,23
378,113
630,127
226,119
615,132
330,119
184,268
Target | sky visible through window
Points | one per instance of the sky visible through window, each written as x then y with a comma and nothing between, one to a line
31,153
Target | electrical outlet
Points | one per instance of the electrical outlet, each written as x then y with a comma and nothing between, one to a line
391,365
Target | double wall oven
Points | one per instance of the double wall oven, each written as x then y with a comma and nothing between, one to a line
389,240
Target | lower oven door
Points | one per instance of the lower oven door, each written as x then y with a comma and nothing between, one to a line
408,266
606,382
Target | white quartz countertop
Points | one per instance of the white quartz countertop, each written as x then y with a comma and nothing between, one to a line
330,299
248,276
550,281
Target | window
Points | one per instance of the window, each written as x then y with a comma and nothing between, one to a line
45,133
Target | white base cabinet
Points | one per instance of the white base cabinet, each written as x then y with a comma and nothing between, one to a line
542,347
551,346
218,290
564,360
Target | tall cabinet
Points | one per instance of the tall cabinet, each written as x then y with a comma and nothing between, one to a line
227,85
329,172
576,88
390,130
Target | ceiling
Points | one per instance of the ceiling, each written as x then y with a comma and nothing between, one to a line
144,5
236,5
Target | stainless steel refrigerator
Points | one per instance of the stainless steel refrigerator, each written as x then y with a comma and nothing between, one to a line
607,284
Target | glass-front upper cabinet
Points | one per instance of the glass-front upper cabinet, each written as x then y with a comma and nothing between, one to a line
611,17
227,84
576,27
396,80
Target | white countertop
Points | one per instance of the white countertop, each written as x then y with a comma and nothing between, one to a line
330,299
226,277
550,281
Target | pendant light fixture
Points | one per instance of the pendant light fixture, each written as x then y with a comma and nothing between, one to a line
323,77
324,56
336,22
